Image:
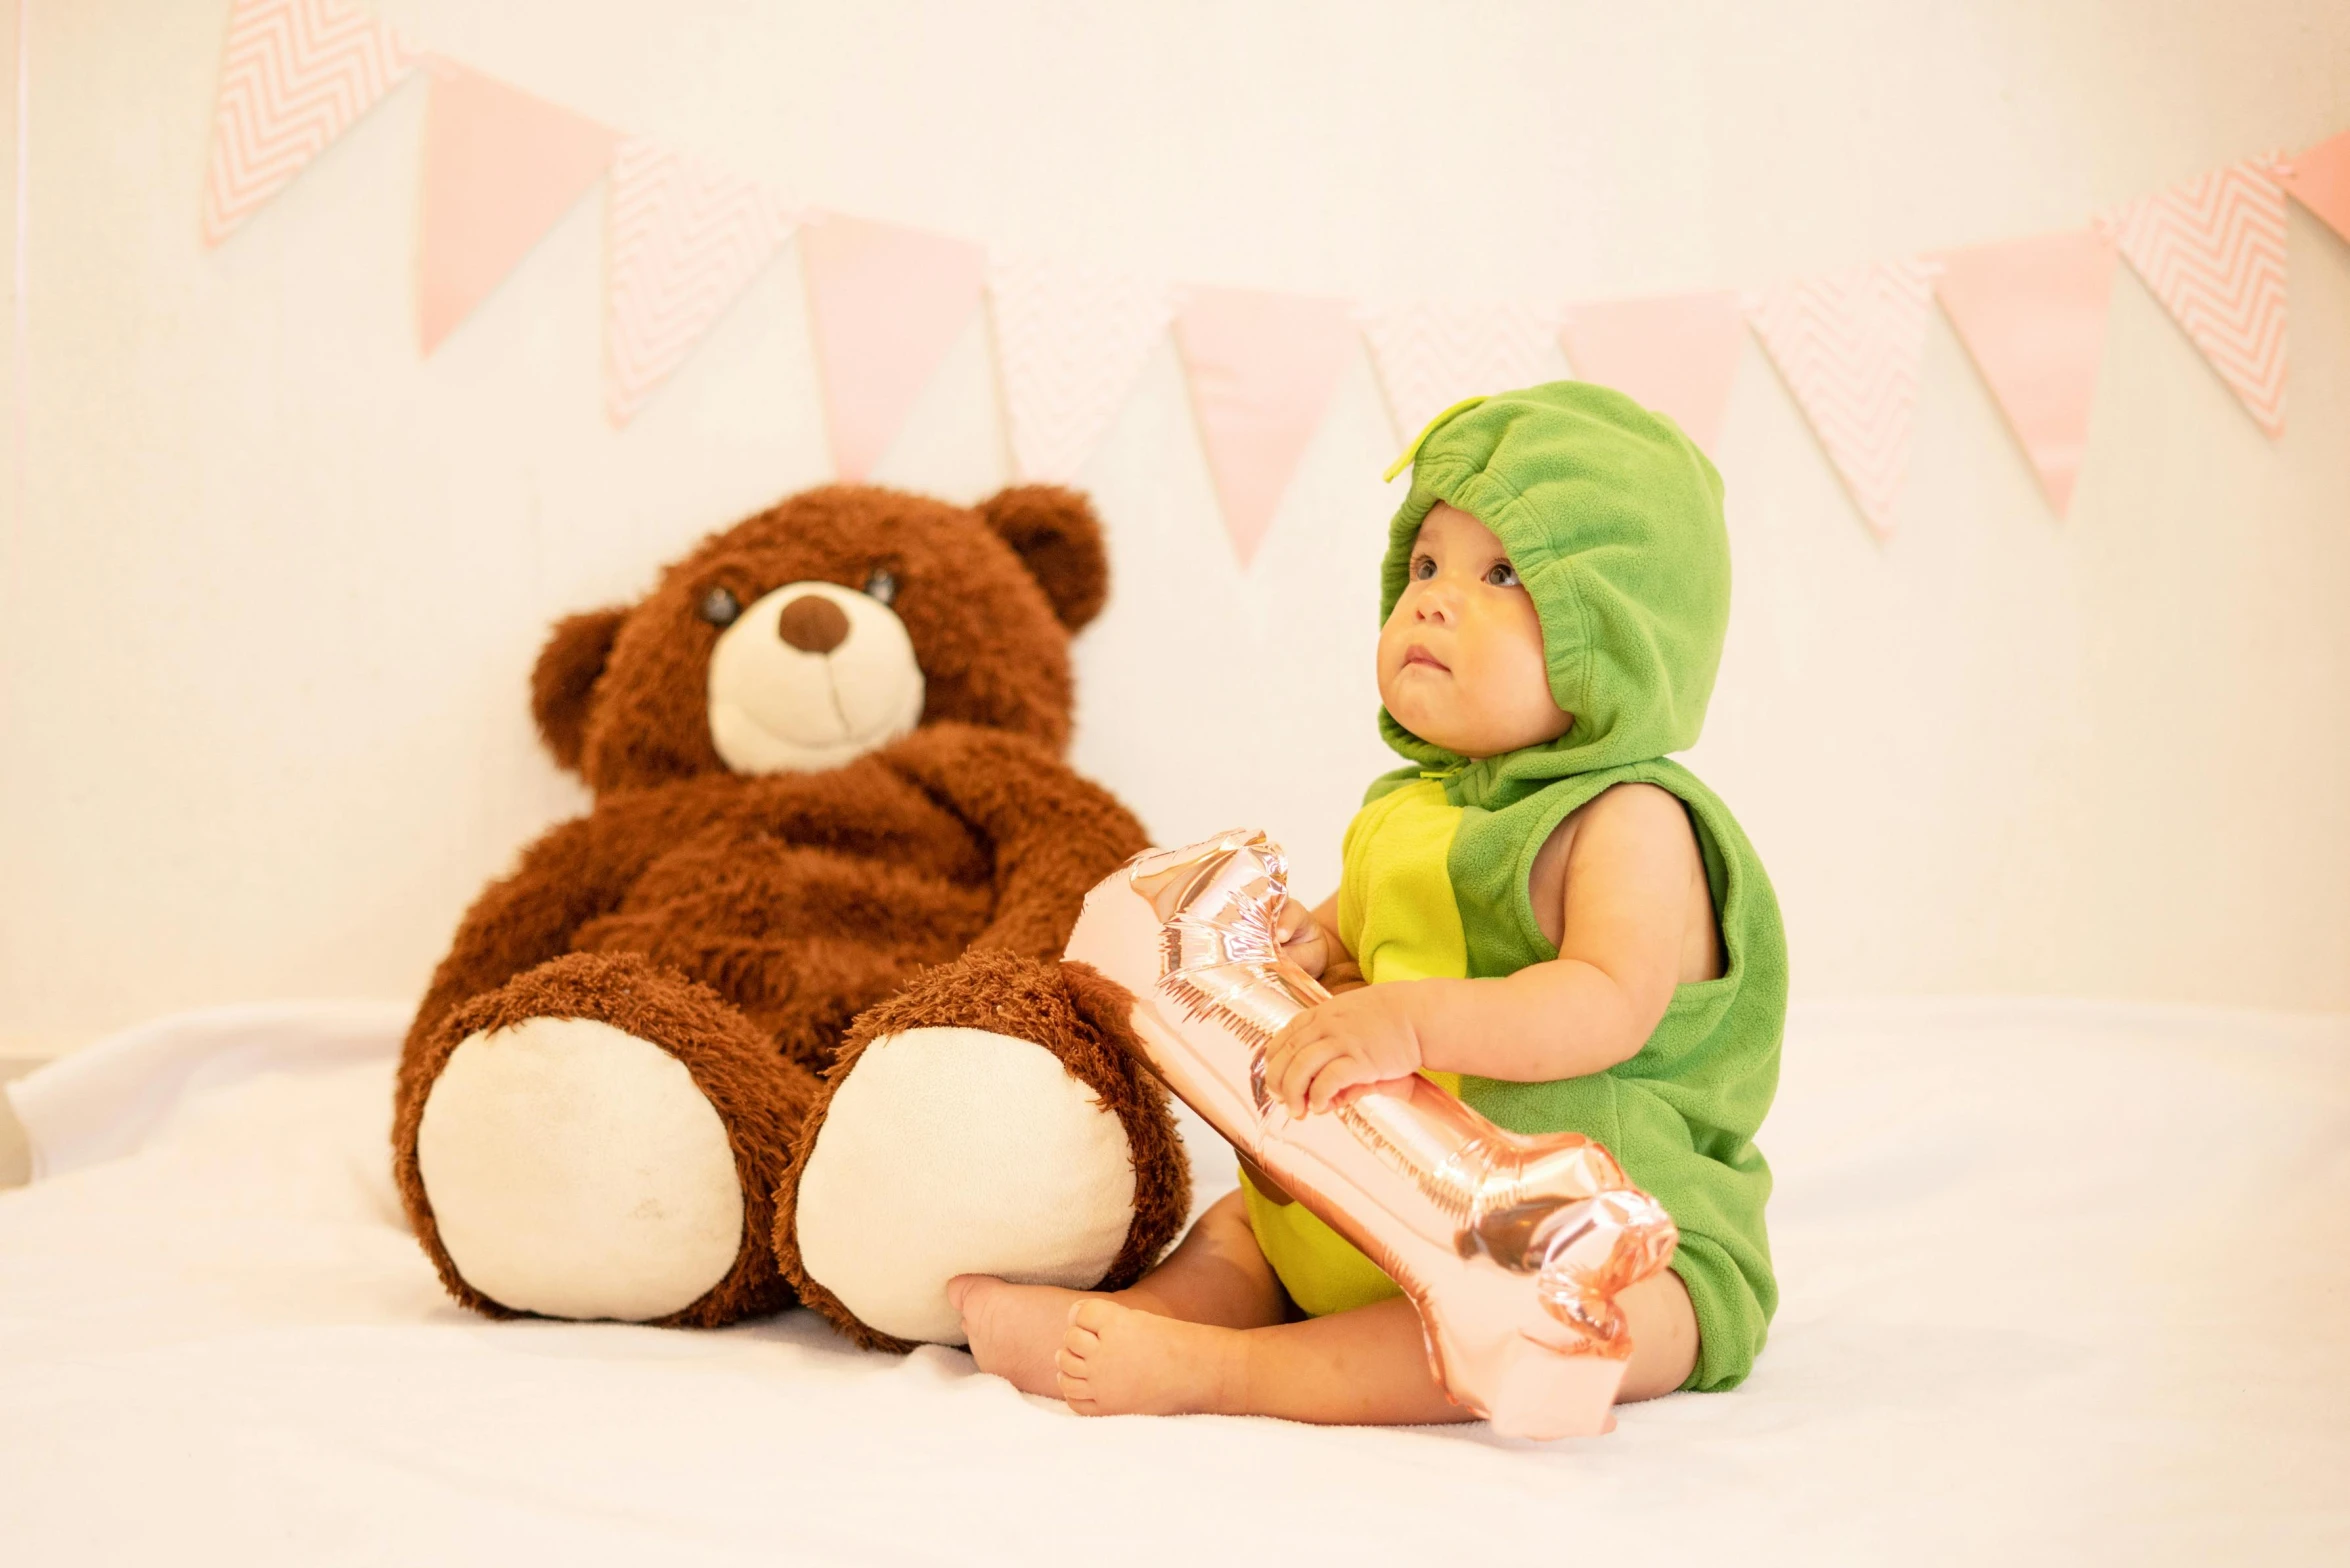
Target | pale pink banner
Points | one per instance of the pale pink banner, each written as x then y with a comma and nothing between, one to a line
1849,345
885,303
1430,354
2319,178
686,240
2213,251
295,76
2031,313
500,166
1070,341
1263,368
1676,353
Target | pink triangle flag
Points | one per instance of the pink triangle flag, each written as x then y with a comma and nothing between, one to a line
1849,345
1677,353
2213,251
1263,368
2319,179
500,166
2032,316
886,304
1430,355
1070,342
296,75
686,240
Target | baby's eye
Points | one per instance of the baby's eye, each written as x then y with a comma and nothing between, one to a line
1423,568
1502,575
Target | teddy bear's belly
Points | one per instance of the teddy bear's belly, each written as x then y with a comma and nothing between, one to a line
802,939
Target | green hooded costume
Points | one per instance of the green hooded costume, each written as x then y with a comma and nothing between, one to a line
1613,521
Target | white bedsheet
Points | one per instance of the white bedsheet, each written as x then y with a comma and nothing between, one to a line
2062,1284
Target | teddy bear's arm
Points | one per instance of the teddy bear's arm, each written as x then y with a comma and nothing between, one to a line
574,872
1054,834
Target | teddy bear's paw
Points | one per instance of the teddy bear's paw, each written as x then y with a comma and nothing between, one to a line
576,1171
951,1151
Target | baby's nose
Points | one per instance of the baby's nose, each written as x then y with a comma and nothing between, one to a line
813,624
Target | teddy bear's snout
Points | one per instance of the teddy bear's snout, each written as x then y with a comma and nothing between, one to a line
808,676
813,624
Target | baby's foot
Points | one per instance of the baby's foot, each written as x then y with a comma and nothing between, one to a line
1014,1329
1116,1360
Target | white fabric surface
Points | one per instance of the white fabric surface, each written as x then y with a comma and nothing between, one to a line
2062,1284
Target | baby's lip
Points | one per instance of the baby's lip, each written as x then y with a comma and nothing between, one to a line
1415,654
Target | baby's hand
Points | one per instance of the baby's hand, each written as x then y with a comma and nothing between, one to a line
1362,1037
1302,942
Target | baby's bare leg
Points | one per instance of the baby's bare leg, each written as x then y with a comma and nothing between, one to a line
1216,1276
1365,1367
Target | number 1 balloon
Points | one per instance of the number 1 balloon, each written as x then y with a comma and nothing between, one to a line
1514,1248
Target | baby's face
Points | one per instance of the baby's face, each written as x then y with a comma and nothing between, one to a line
1460,659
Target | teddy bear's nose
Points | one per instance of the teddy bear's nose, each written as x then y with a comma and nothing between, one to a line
813,624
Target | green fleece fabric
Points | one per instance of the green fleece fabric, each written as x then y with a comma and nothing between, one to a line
1613,520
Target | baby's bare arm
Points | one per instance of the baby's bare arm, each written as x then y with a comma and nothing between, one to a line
1631,862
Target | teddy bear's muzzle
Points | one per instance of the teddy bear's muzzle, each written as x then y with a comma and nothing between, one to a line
809,676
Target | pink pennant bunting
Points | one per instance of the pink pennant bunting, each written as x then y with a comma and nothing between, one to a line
1263,368
296,75
2032,316
2319,179
1677,354
1429,355
1848,345
886,303
2213,251
500,166
1070,341
686,240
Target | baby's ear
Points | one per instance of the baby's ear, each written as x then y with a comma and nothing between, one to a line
1056,535
563,682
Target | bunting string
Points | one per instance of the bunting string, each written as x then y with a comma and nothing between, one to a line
887,302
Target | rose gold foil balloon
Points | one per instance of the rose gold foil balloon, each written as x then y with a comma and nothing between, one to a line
1513,1248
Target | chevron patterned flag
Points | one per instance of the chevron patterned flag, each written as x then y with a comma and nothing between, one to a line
1848,345
1070,342
2213,251
296,75
1430,355
686,241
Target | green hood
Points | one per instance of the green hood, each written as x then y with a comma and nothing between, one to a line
1613,519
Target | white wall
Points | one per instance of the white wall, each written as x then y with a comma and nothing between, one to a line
268,603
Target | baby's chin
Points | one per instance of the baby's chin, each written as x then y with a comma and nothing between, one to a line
1469,735
1438,725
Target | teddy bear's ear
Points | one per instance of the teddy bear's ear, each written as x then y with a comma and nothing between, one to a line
1055,532
565,678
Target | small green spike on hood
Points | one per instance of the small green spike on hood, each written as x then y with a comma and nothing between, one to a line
1613,519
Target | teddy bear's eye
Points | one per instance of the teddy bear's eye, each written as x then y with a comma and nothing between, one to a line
882,585
719,607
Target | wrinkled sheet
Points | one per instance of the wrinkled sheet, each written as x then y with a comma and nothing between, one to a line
2062,1284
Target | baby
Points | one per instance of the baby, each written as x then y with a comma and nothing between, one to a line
1541,914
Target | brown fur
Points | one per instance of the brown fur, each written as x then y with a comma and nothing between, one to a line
751,923
1081,1017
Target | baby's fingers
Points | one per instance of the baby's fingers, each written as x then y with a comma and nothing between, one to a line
1298,1069
1336,1076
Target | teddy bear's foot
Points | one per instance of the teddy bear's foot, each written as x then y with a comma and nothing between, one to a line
599,1140
983,1121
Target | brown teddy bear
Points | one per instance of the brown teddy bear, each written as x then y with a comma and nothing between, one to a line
782,1016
